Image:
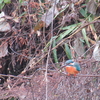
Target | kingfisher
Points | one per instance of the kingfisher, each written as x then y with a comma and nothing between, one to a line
72,68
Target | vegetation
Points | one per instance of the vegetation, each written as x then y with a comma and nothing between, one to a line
37,37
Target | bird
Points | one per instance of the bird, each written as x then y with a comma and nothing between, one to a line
72,68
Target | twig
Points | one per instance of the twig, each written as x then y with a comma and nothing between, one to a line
88,50
20,54
82,75
24,77
88,75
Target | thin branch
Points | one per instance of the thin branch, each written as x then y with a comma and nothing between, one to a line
24,77
82,75
88,75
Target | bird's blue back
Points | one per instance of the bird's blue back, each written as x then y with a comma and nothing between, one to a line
74,64
69,61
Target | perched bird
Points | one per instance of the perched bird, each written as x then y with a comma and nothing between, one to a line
72,67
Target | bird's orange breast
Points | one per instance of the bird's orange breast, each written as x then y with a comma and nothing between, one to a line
72,70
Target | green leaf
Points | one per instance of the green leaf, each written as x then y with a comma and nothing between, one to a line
85,37
83,12
20,1
82,40
1,1
55,52
91,18
48,44
2,5
62,11
22,14
67,51
70,28
7,1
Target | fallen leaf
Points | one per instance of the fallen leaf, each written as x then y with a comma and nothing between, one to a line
78,47
96,52
47,17
4,26
3,49
91,7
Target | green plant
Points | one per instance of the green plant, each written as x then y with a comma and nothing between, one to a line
3,2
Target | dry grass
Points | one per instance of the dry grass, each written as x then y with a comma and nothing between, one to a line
59,86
